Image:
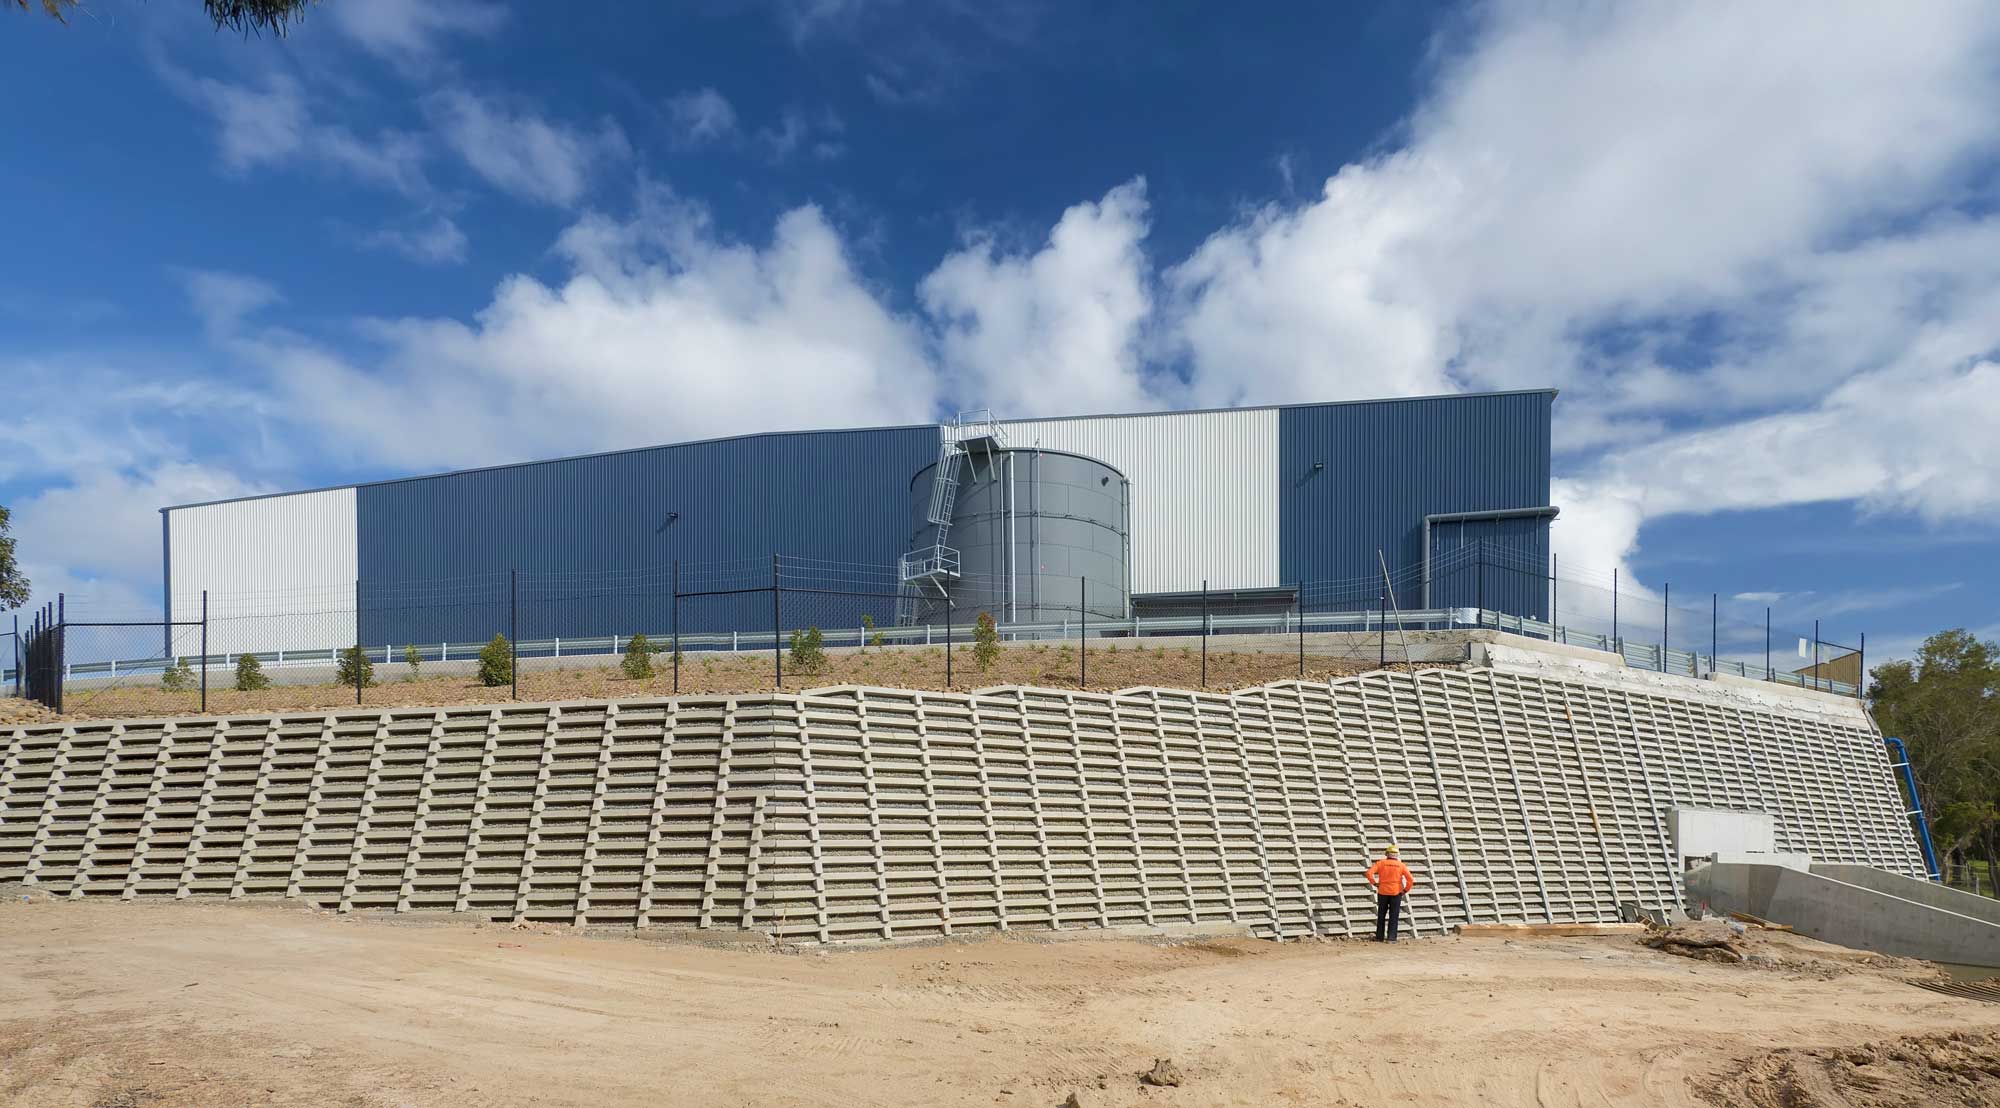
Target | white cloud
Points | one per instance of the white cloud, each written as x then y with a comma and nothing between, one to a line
268,125
222,299
437,242
1018,331
701,115
1728,233
523,153
407,30
662,331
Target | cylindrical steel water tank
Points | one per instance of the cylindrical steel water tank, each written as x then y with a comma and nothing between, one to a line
1040,534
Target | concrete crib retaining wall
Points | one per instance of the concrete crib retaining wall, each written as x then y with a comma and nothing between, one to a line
850,813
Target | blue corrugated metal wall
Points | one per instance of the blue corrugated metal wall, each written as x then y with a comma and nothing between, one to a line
593,540
1388,464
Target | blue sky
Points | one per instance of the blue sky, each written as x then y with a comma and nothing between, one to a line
1759,255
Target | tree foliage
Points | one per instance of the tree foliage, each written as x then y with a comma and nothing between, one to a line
1945,706
178,677
355,668
250,674
496,662
985,642
638,663
13,586
275,16
413,658
808,652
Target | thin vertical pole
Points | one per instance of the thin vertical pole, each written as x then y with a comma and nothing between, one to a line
1204,633
1482,584
947,639
1714,607
1083,632
62,636
1861,682
513,630
359,658
1767,644
1614,612
1666,618
17,655
1300,593
777,656
1382,627
1555,595
677,625
1815,654
204,646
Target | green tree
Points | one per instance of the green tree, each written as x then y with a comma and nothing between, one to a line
275,16
178,677
496,662
250,674
874,637
355,668
1945,706
413,658
985,642
13,586
808,652
638,663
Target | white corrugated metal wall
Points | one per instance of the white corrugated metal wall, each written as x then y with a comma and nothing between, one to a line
1204,491
280,570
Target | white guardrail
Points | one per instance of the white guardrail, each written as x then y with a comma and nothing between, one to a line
1636,654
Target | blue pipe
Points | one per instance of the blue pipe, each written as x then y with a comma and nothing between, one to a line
1916,806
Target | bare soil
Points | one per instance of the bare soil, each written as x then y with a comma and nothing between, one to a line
177,1005
1109,667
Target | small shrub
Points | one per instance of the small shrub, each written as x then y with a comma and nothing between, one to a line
638,663
250,674
496,662
355,668
413,658
868,625
808,651
178,677
985,642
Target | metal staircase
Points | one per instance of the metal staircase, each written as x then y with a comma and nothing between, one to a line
923,572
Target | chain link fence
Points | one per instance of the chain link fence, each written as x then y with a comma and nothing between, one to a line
791,622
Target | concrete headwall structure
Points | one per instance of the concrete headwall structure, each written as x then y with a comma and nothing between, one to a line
1857,907
857,813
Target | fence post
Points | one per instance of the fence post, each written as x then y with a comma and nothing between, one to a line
204,646
677,626
1714,606
360,656
1614,612
1382,627
1815,655
62,655
777,632
1299,593
17,655
1666,616
1767,644
1861,682
1481,590
1204,632
947,639
513,630
1082,633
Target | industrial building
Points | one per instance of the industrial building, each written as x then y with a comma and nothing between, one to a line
1113,514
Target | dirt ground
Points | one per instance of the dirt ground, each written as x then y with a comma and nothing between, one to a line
177,1005
1111,665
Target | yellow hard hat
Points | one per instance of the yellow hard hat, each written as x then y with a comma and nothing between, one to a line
1390,849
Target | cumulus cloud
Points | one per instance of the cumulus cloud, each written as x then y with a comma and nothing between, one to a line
1018,329
521,152
662,330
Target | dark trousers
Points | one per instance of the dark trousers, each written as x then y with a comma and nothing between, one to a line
1388,909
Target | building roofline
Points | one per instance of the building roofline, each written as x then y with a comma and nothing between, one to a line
1551,393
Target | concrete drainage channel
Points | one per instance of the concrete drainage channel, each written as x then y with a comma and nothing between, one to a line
1531,793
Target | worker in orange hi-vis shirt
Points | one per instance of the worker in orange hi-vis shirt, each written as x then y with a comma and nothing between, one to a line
1390,879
